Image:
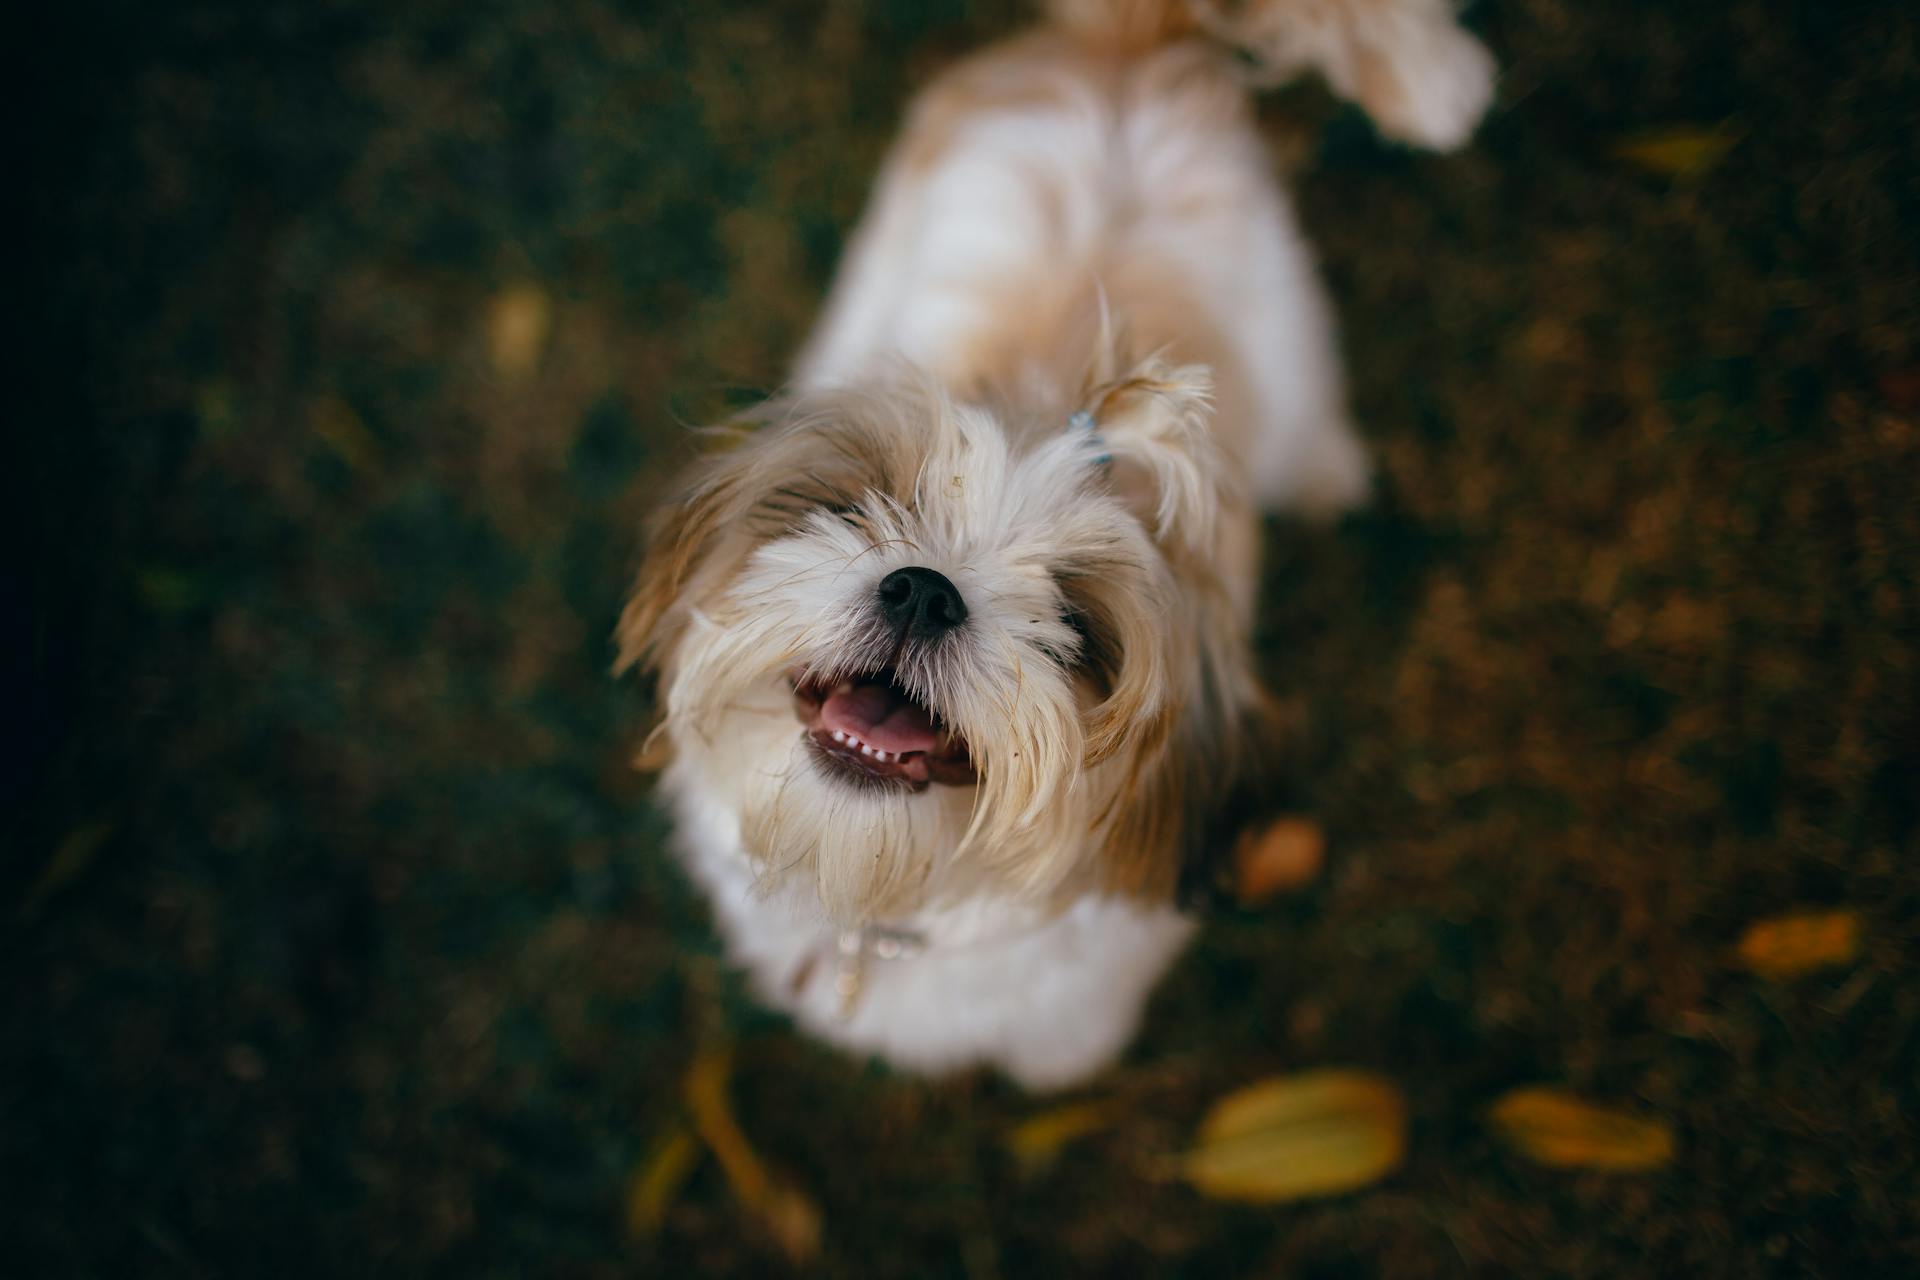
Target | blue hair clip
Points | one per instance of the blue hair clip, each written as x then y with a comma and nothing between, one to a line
1083,421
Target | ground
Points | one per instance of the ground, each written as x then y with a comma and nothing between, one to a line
354,340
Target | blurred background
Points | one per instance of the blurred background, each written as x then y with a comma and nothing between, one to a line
337,935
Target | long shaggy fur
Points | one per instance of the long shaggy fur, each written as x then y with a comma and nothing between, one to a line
1076,339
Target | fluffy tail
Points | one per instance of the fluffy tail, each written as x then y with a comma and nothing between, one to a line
1408,63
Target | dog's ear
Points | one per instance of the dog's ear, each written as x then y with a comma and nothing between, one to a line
681,539
765,469
1156,426
1185,717
1185,800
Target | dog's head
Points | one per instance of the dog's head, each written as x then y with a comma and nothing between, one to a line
921,648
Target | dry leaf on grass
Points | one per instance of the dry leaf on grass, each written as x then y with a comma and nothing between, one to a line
1567,1132
1790,945
659,1178
1284,855
168,590
1036,1140
340,429
786,1213
518,320
1318,1133
1678,153
72,856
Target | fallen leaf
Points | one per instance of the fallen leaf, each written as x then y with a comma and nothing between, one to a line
1678,153
1318,1133
169,590
1789,945
786,1212
335,423
1036,1140
518,320
1567,1132
1901,387
214,405
70,857
659,1178
1286,855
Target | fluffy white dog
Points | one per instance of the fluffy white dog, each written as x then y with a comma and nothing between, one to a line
952,638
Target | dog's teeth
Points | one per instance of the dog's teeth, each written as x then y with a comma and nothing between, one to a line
883,756
838,736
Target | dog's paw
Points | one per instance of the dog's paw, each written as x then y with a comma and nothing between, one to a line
1318,476
1429,86
1407,63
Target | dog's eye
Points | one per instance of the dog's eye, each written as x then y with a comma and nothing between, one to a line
1081,627
1099,657
789,505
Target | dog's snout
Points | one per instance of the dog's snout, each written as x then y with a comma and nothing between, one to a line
920,603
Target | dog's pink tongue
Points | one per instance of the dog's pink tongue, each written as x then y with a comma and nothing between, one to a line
879,717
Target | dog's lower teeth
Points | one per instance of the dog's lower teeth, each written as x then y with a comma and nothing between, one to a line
839,736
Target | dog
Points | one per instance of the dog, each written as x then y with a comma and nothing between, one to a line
951,637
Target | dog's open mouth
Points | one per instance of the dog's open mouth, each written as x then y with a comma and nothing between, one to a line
869,728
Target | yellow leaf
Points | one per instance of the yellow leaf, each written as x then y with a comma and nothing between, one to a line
518,320
1038,1139
1677,153
1567,1132
1286,855
1318,1133
785,1211
658,1180
1790,945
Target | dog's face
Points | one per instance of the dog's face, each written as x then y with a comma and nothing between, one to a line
921,649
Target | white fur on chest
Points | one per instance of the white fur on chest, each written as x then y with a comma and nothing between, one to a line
1046,1000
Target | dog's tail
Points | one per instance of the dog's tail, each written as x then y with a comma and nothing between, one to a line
1408,63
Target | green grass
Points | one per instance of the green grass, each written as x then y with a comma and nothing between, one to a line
379,964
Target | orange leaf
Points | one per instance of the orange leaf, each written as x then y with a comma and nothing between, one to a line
1567,1132
1285,856
1790,945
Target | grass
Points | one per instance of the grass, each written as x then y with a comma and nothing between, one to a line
341,939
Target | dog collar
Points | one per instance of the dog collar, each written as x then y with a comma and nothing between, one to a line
1083,421
883,942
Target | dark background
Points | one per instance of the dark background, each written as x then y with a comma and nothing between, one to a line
337,936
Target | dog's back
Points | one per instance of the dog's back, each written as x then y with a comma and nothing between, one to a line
1104,171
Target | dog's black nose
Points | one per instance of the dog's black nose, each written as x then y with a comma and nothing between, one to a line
920,603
